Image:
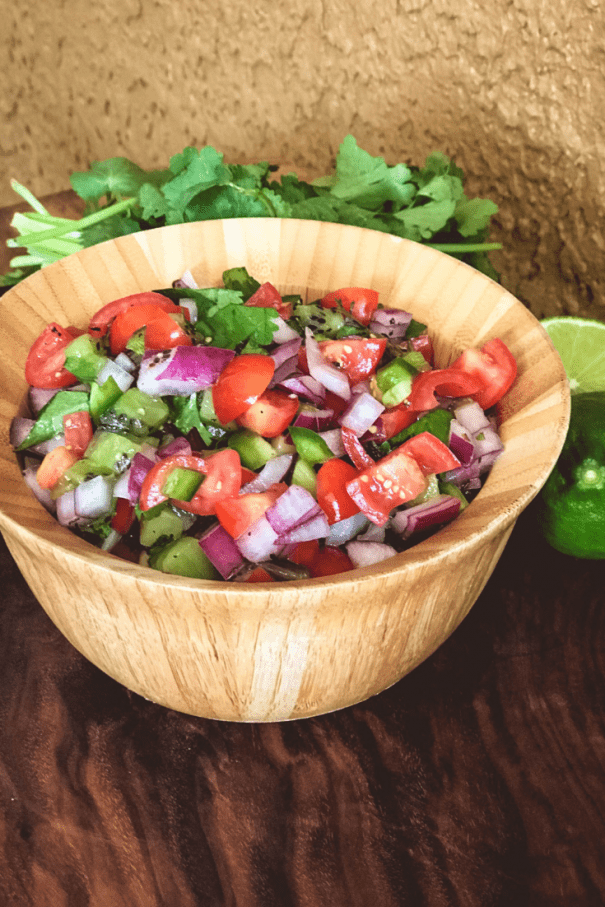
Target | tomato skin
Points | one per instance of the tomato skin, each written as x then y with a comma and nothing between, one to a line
356,356
305,553
236,514
392,481
260,575
395,420
355,449
126,323
100,321
330,561
54,464
360,302
44,366
124,516
267,297
449,382
431,454
271,414
494,365
423,344
240,384
78,430
222,469
332,494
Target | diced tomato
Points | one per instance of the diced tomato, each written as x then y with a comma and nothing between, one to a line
361,303
236,514
44,366
336,403
356,356
305,553
267,297
100,321
392,481
223,479
161,331
260,575
240,384
423,344
124,516
395,420
355,449
78,430
56,462
329,561
332,494
271,414
448,382
494,366
247,475
431,454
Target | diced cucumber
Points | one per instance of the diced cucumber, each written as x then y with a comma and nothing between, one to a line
303,474
253,450
140,408
165,523
183,557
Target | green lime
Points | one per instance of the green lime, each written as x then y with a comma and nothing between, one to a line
580,342
571,506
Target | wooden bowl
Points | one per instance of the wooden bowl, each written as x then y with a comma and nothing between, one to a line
271,652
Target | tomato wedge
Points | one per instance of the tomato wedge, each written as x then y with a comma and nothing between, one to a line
260,575
395,420
356,356
392,481
223,479
329,561
448,382
124,516
240,384
267,297
100,321
355,449
161,331
238,513
78,430
332,494
55,463
431,454
360,302
271,414
44,366
494,366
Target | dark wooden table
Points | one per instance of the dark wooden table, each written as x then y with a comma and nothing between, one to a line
476,781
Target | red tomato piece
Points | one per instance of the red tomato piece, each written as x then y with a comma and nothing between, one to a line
267,297
355,449
124,516
100,321
448,382
423,344
247,475
305,553
356,356
332,494
431,454
494,366
236,514
126,323
240,384
360,302
78,430
330,561
395,420
392,481
223,479
55,463
44,366
271,414
260,575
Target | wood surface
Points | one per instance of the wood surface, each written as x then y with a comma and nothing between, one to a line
280,651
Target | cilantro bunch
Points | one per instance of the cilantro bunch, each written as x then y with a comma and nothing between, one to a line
425,204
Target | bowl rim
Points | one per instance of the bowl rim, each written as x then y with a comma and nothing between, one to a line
407,561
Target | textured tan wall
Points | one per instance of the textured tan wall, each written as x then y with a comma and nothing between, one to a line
513,89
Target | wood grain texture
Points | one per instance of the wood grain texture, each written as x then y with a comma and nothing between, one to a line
268,653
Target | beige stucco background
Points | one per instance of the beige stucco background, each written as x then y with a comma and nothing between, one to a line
513,89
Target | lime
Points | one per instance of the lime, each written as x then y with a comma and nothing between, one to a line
571,505
580,342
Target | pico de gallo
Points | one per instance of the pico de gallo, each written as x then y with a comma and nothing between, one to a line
236,433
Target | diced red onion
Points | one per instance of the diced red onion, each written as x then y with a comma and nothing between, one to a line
439,509
362,411
139,468
190,307
345,530
176,446
468,476
94,498
120,489
332,378
121,377
364,554
283,331
182,371
259,541
305,386
373,533
471,416
293,507
333,439
42,494
221,550
273,471
460,444
317,527
315,419
38,397
390,317
362,387
487,441
19,430
66,509
125,362
285,359
186,280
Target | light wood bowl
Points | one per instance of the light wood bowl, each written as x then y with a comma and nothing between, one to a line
271,652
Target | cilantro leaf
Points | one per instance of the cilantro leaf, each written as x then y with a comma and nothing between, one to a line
473,215
185,415
117,177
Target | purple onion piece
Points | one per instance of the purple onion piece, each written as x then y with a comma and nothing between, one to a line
139,468
66,509
94,498
333,438
345,530
283,332
460,445
221,551
38,397
487,441
315,419
176,446
19,430
440,509
471,416
42,494
306,387
286,351
273,471
391,317
259,541
364,554
293,507
328,375
182,371
362,411
316,527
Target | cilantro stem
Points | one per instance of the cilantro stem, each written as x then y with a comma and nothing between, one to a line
28,197
36,238
252,193
455,247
